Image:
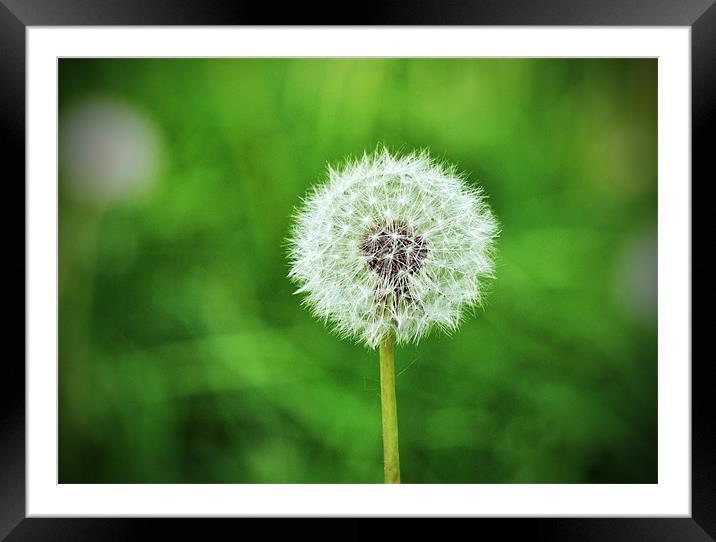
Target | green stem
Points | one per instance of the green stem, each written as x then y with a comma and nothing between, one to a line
391,459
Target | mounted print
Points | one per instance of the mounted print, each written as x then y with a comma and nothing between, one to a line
357,271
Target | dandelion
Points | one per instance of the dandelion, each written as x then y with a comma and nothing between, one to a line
108,150
109,154
388,248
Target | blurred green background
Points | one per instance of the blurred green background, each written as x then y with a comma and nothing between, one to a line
185,357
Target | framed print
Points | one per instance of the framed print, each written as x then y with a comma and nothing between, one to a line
432,263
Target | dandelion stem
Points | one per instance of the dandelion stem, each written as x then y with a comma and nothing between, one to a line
391,459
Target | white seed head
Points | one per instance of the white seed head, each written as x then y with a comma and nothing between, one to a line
392,244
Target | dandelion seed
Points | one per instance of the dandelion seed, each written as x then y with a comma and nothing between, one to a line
433,223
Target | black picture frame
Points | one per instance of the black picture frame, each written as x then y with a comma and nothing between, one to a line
16,15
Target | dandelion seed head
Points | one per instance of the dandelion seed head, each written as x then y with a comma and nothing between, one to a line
109,150
392,243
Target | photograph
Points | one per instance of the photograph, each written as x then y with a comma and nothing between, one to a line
357,270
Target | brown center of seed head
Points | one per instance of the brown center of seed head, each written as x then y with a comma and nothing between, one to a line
394,251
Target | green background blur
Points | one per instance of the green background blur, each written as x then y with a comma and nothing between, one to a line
185,357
